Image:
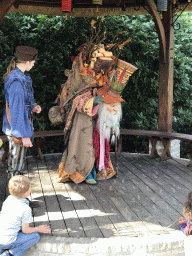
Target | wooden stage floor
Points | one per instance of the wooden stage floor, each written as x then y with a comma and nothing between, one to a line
146,198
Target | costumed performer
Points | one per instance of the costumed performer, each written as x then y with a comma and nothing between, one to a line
92,113
17,117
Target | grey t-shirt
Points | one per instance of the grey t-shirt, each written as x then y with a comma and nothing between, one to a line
15,211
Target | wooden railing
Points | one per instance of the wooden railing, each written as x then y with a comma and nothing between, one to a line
165,137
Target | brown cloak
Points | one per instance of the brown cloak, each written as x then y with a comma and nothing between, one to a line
79,156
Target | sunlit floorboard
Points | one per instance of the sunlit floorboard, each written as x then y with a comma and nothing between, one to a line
146,198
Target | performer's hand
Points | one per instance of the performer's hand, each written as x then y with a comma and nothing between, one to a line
37,109
27,142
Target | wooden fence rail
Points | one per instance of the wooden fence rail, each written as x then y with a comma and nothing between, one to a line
154,136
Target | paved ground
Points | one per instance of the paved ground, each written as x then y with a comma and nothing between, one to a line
134,214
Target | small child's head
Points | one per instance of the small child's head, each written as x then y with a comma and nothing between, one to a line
19,185
187,210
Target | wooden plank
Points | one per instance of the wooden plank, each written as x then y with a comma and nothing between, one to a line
181,165
159,174
90,226
121,224
101,217
162,169
84,214
174,225
104,204
40,214
116,200
164,192
174,199
181,177
181,162
42,134
142,200
52,205
137,203
126,208
138,226
160,134
155,192
171,171
73,224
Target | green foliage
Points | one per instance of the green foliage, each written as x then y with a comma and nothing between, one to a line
182,104
58,39
141,92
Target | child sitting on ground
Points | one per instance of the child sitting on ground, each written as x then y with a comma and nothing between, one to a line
185,224
16,236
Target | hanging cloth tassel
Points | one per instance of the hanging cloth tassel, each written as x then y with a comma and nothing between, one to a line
66,5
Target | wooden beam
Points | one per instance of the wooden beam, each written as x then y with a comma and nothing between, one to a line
5,5
16,4
166,39
78,12
166,74
159,26
54,8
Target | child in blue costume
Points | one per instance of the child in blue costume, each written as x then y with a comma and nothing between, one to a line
16,236
17,118
185,223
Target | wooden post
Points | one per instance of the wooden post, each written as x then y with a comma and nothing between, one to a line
166,74
166,39
165,32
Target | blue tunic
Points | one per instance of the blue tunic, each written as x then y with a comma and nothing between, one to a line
19,95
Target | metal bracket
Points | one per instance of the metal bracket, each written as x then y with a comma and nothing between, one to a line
177,8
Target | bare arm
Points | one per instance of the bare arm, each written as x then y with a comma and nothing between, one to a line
26,229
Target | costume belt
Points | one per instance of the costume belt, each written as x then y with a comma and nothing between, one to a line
8,114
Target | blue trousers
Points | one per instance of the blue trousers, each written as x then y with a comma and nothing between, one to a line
21,245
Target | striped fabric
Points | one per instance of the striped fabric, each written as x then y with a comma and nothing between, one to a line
16,160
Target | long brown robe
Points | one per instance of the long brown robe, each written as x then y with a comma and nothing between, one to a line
79,156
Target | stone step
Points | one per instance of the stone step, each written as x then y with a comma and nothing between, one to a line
154,245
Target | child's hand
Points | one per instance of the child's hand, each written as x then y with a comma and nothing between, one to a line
187,230
44,229
27,142
37,109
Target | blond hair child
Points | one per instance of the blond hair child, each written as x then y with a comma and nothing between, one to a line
16,236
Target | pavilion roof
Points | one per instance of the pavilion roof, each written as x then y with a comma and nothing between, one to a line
86,7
